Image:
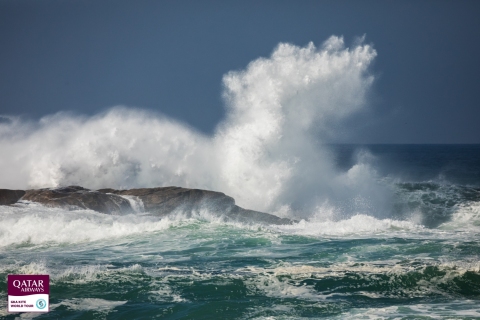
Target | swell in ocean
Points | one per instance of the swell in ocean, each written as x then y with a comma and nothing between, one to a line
383,231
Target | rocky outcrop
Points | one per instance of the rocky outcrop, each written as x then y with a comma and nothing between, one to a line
247,216
75,197
156,202
10,196
162,201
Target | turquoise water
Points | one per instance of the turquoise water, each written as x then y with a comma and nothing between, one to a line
418,260
202,269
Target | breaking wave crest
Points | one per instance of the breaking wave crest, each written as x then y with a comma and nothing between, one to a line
25,225
30,224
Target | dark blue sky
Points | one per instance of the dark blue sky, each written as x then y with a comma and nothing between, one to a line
169,56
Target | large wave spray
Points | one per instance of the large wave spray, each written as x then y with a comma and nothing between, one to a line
267,153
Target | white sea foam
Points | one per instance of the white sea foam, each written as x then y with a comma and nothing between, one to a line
89,304
287,280
455,309
29,223
267,153
36,224
465,218
163,292
450,269
136,203
357,225
271,286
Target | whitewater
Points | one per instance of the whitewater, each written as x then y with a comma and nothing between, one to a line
381,231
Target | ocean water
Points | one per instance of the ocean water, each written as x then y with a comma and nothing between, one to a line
418,259
383,231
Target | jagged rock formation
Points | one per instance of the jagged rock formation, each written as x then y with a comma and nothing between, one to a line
156,201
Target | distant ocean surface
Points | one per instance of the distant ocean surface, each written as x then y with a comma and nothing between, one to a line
416,256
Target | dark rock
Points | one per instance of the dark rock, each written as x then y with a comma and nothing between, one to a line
247,216
10,196
162,201
165,200
75,197
156,201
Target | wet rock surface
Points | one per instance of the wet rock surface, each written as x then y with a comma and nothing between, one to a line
10,196
75,197
165,200
155,201
161,201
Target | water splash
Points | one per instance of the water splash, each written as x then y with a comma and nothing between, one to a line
267,153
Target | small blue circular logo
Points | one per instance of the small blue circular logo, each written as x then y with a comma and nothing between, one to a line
41,304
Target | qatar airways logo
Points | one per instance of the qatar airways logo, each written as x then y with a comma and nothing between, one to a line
28,293
29,285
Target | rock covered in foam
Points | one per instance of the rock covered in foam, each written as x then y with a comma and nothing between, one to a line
156,201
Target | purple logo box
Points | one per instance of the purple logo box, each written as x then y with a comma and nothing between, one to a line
27,284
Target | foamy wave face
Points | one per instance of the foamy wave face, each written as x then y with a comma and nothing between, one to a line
40,225
266,153
355,226
466,217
